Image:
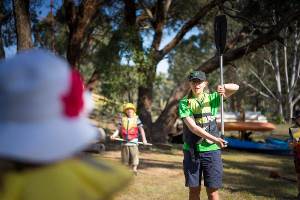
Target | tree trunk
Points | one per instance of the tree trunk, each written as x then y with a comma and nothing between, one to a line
278,81
22,22
291,109
144,108
281,110
164,124
79,23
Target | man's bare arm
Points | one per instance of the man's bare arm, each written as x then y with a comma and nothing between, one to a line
228,89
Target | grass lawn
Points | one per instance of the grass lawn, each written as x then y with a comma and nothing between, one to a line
246,176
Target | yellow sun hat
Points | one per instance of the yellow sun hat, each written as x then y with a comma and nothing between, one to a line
128,106
74,179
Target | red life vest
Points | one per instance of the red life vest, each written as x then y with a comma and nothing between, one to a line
129,128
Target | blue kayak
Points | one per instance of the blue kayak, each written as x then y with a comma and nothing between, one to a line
272,140
275,146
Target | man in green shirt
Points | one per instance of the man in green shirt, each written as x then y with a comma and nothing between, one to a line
202,141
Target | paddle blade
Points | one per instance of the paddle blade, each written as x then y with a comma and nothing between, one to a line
220,28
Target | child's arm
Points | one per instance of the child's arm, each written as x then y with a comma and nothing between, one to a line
115,134
119,125
143,134
228,89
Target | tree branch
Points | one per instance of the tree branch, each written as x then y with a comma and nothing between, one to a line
238,38
78,23
296,100
296,80
146,9
262,83
167,6
269,60
242,18
255,89
213,63
158,25
189,25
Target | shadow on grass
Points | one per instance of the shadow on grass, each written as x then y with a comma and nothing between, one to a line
255,180
151,163
171,150
283,164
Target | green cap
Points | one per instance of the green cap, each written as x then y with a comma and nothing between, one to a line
200,75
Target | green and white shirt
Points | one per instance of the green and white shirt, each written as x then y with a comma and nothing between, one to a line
206,102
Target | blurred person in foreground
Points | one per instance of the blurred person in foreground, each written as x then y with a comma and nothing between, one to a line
43,129
202,139
294,132
129,126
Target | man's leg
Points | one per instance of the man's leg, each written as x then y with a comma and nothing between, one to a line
212,193
212,172
194,193
192,174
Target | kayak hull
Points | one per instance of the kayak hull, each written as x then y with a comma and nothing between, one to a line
268,147
248,126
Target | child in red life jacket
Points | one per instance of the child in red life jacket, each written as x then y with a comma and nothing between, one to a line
129,127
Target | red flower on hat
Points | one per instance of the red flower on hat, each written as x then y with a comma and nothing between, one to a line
73,99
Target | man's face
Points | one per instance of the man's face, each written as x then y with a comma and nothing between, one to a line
197,86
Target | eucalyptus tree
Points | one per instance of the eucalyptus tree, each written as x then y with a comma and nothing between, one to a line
130,25
275,72
154,18
256,29
253,29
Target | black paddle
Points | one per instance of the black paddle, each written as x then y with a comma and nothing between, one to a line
220,28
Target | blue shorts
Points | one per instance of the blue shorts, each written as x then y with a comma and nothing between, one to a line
207,163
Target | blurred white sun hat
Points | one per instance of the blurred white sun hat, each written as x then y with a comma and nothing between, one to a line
41,109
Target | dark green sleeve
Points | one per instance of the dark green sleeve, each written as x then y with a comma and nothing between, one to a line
183,109
214,101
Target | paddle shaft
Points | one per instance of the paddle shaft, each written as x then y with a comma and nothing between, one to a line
119,139
222,98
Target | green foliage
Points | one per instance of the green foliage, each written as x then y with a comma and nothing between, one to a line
279,120
115,50
163,87
188,55
143,62
121,83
